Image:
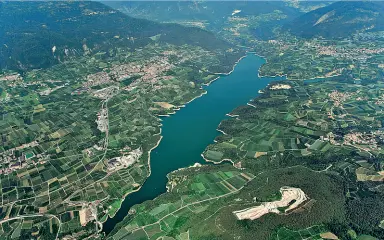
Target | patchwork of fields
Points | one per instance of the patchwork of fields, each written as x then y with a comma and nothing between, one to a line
76,137
332,128
195,196
299,123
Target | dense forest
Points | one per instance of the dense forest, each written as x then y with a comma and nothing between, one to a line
41,34
339,20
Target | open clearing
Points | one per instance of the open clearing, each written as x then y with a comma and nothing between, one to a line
291,199
165,105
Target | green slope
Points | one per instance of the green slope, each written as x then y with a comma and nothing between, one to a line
339,20
30,30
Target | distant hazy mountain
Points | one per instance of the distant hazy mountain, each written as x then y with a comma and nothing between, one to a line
211,14
40,34
339,20
212,11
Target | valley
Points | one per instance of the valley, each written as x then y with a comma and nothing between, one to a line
191,120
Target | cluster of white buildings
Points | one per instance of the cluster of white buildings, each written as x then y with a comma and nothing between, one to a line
124,161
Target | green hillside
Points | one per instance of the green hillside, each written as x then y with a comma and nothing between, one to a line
41,34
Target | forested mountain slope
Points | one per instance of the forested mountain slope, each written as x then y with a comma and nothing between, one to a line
339,20
40,34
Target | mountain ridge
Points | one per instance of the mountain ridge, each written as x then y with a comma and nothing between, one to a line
42,34
339,20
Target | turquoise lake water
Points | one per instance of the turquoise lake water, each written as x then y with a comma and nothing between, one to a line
187,133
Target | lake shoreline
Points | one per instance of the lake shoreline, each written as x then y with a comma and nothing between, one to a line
187,134
286,75
175,110
202,88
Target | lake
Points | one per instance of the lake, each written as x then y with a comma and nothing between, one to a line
187,133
